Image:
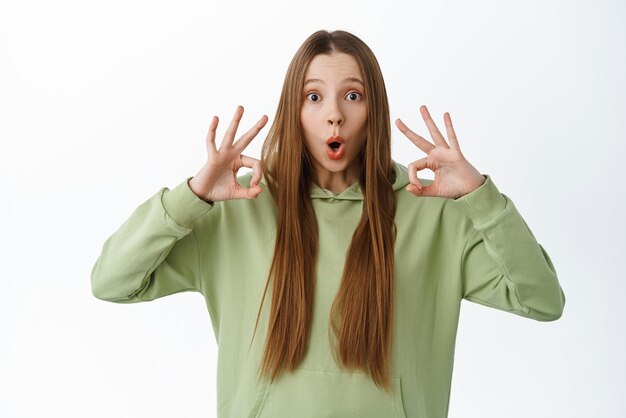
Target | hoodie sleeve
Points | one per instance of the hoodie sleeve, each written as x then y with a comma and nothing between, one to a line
503,266
155,252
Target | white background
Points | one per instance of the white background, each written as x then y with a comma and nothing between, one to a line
102,103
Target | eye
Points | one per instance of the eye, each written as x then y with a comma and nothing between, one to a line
314,97
354,95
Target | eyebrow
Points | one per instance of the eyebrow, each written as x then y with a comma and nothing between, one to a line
317,80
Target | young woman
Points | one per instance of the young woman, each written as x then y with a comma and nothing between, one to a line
363,263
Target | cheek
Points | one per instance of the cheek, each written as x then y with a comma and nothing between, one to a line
307,128
364,114
306,120
363,122
359,116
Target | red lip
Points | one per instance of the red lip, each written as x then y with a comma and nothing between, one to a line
332,139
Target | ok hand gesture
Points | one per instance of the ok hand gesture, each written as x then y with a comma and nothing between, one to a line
454,175
217,179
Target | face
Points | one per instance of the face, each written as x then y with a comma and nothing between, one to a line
334,110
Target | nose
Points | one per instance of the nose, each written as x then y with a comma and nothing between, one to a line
335,117
333,122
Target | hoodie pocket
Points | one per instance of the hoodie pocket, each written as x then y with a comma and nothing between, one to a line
325,394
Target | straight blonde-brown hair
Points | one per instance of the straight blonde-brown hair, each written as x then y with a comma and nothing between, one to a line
362,313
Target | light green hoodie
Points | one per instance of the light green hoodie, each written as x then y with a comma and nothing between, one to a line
477,247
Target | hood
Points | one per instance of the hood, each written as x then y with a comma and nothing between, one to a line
353,192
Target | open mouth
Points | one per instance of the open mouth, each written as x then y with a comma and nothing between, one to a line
335,147
335,150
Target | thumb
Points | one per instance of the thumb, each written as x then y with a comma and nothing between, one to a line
413,168
255,165
255,189
417,191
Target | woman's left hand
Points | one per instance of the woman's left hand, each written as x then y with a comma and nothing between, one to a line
454,175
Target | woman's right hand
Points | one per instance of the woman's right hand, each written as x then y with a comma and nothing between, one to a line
217,179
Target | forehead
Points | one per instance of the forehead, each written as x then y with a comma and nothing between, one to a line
337,65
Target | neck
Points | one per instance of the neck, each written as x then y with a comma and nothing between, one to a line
337,181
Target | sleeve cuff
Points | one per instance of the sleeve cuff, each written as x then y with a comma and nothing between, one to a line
182,204
484,203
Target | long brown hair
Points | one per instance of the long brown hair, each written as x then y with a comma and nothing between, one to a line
362,312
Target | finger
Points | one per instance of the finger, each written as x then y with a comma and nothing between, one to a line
421,143
245,139
413,189
255,165
255,189
416,187
432,128
425,191
232,128
413,168
210,136
450,130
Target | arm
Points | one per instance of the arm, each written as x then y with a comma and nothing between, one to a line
155,252
503,265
